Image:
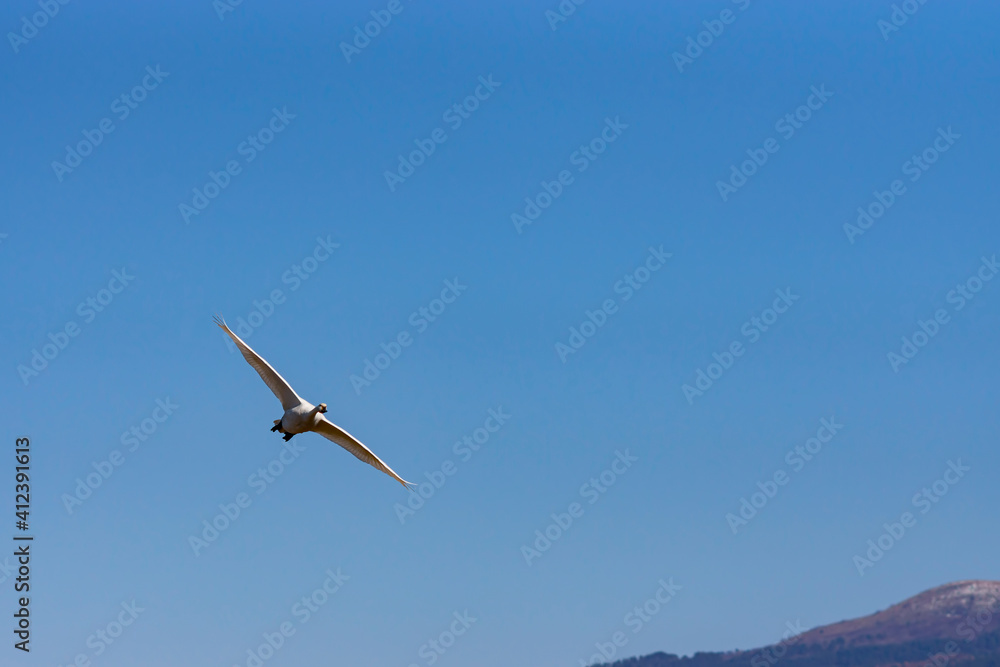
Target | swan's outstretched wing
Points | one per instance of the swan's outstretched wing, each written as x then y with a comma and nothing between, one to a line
284,392
331,431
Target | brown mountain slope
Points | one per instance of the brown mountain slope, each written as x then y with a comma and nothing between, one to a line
946,612
956,625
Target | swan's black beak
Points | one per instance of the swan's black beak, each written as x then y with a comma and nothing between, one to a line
322,407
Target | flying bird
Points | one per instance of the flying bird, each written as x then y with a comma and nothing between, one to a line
301,416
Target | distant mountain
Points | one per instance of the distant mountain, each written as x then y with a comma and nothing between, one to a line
939,613
957,625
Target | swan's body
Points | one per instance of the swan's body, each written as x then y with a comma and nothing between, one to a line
301,416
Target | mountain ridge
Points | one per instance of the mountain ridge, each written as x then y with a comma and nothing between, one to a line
940,613
954,624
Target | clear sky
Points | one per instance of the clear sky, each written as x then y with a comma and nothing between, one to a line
583,217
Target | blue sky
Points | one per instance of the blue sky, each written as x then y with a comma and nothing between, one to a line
102,260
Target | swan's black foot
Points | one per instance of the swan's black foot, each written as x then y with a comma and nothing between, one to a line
277,427
288,436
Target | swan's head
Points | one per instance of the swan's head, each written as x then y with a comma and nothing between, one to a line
321,407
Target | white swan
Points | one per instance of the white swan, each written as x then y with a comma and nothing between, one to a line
301,416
